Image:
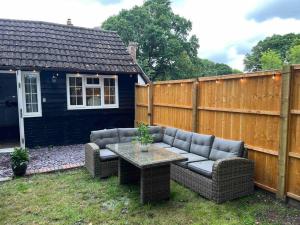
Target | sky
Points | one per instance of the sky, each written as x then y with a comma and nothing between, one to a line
227,29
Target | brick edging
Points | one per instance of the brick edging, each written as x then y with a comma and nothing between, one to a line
54,168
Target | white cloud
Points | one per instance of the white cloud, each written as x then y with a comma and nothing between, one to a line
224,31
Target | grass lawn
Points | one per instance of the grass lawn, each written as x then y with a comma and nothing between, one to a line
74,198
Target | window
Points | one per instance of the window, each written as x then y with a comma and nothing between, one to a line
31,94
92,92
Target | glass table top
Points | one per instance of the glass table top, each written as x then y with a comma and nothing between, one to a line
153,157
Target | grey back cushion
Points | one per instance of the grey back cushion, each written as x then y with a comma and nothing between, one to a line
201,144
127,134
104,137
157,133
183,140
223,149
169,135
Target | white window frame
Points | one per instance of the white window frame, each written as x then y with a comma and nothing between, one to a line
85,85
39,101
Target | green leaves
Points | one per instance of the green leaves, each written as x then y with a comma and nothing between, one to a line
19,157
144,136
270,60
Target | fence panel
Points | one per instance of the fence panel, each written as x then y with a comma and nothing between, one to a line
293,178
141,103
241,107
172,104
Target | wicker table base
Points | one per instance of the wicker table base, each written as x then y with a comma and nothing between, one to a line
154,181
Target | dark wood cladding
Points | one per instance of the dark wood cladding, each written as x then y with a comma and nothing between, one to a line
59,126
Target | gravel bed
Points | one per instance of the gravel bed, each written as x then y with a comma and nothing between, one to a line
45,157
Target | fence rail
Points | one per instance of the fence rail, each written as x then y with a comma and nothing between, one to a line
262,108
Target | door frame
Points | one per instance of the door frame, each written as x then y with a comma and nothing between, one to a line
20,108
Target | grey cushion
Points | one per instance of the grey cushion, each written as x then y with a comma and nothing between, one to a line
162,145
201,144
223,149
104,137
176,150
183,140
191,158
169,135
127,134
204,167
157,133
106,154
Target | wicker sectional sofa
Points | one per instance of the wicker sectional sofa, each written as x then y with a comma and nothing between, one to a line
216,168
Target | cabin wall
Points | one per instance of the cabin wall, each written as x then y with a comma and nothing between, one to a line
60,126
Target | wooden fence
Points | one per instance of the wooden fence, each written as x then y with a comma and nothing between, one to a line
262,108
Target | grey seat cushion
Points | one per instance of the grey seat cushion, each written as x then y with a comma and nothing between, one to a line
201,144
191,158
176,150
183,140
127,134
204,167
104,137
223,149
162,145
157,133
169,135
106,154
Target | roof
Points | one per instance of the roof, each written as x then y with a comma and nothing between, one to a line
28,45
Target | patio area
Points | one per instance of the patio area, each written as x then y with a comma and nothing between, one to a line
73,197
46,160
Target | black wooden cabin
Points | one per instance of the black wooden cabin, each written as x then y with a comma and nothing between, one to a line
60,82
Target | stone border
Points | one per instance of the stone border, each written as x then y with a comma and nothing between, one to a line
54,168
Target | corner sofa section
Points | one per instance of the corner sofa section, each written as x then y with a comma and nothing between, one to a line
215,167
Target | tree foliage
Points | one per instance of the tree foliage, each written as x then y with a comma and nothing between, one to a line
270,60
166,48
294,55
277,43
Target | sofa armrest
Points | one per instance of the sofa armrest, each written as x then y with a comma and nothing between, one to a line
232,168
92,158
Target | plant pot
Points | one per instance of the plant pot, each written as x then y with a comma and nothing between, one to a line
145,147
19,170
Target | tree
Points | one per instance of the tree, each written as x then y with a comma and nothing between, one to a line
163,37
294,55
278,43
166,48
270,60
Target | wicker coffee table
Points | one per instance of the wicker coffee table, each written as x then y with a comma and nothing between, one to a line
150,169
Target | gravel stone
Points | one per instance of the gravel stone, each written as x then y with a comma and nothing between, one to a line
45,157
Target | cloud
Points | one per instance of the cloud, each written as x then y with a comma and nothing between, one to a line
283,9
110,2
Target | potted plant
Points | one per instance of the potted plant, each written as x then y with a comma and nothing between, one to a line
144,137
19,160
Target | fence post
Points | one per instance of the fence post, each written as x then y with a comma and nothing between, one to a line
135,105
150,104
284,128
195,106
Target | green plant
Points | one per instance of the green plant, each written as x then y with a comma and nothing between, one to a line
144,136
19,157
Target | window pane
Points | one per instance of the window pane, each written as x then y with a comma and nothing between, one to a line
92,80
97,91
112,100
106,90
97,101
35,107
78,81
106,99
112,91
89,91
28,108
72,91
79,91
89,101
72,81
106,81
73,101
79,101
34,98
